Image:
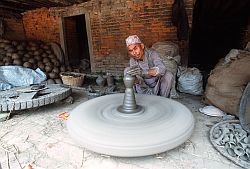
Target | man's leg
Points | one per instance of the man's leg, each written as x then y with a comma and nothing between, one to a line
166,84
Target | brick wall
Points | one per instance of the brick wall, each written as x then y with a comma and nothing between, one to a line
39,25
13,28
149,19
111,21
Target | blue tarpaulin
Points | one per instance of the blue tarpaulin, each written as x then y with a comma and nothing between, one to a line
17,76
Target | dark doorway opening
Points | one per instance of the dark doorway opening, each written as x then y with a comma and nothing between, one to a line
77,42
218,26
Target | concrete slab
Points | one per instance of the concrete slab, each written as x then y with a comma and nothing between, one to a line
40,138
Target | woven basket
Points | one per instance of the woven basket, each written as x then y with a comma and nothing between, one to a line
72,78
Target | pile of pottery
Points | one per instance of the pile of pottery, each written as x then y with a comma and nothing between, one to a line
106,86
32,54
232,141
102,80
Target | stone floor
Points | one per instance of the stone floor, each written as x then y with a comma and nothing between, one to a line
40,138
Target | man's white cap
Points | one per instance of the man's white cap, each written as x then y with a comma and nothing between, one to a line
133,39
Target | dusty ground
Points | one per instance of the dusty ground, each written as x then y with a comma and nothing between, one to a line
40,138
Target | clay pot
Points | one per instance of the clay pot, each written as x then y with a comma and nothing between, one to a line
100,81
18,62
110,80
27,64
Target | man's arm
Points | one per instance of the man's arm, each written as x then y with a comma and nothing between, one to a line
159,67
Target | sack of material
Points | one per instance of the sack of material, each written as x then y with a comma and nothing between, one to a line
228,80
190,81
166,49
169,53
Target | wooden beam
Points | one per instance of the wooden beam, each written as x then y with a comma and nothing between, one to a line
9,14
14,6
25,5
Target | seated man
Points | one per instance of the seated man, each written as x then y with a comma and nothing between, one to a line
151,74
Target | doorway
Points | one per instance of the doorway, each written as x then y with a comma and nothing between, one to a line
76,42
218,26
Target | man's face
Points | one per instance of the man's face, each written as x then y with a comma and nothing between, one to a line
136,50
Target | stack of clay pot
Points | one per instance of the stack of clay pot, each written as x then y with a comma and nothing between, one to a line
32,54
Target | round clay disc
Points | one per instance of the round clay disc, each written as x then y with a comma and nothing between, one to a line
162,124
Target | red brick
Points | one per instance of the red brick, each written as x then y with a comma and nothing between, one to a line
111,22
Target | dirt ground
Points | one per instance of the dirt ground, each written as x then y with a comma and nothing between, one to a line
39,137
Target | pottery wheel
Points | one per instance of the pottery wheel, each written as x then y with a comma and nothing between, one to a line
160,125
116,125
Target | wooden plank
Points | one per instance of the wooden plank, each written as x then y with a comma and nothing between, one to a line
26,96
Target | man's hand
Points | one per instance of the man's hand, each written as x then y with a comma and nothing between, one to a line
136,70
153,71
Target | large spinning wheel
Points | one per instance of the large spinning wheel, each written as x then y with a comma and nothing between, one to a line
153,125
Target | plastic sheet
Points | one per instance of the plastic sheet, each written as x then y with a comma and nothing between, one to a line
17,76
212,111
